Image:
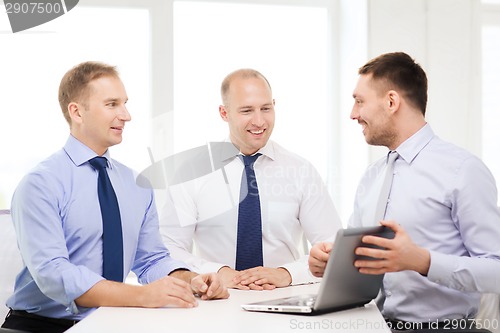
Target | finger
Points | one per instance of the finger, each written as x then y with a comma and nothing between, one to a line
377,241
250,280
261,282
198,285
317,271
240,287
251,277
317,268
327,247
216,290
317,263
320,254
181,289
268,286
373,271
391,224
181,297
215,287
253,286
373,253
173,287
246,274
174,301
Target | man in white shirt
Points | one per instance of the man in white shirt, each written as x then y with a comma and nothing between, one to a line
202,214
442,206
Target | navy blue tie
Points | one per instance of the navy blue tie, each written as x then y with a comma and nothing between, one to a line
249,242
112,238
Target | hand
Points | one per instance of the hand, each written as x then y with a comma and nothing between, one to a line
168,291
227,275
399,253
266,278
209,286
318,256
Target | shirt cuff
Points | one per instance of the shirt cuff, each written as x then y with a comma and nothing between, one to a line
162,269
300,273
210,267
441,269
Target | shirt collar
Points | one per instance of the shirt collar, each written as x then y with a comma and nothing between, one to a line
268,150
410,148
79,153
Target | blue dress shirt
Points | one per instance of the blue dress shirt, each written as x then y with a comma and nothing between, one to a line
56,214
446,199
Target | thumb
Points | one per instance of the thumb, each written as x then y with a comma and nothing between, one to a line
198,284
391,224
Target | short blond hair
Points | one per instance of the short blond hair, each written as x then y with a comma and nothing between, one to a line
74,86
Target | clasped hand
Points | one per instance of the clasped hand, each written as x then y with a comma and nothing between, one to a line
257,278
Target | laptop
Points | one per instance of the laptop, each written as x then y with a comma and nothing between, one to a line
342,286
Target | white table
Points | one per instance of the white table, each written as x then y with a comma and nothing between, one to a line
227,316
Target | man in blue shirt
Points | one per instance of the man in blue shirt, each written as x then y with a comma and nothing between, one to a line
57,217
442,206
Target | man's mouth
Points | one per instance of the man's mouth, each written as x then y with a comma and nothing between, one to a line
363,125
256,132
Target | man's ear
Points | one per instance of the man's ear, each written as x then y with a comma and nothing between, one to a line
223,112
74,111
393,100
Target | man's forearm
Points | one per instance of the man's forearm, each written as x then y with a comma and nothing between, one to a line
183,274
110,293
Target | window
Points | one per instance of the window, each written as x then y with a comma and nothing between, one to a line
296,45
33,63
491,86
172,60
265,37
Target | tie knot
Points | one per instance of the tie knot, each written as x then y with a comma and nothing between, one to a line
391,157
250,160
99,163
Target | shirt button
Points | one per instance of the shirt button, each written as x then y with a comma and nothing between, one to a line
388,293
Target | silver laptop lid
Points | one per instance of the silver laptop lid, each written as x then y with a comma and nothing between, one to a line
343,286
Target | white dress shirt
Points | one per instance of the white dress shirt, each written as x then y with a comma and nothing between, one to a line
446,200
200,219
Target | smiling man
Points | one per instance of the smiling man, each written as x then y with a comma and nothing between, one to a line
247,219
82,223
442,207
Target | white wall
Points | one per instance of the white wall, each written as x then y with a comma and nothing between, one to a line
444,37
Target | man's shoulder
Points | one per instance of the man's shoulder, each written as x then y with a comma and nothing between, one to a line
52,166
132,179
48,175
283,154
447,152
